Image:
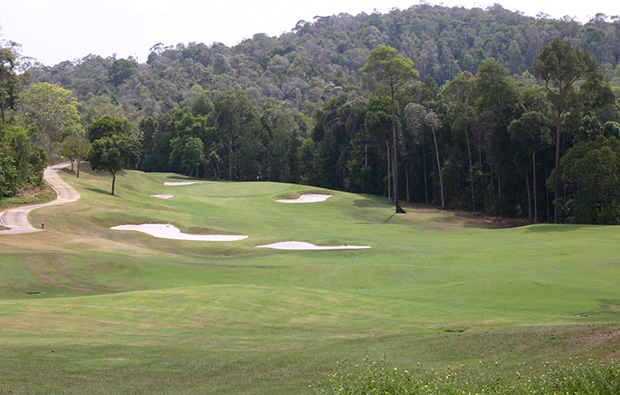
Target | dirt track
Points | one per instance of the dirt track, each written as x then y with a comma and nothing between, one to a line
17,218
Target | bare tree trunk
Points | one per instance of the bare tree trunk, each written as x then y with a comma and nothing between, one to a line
113,182
78,168
425,174
499,191
547,195
443,203
2,102
399,210
529,199
230,157
535,195
471,173
556,177
407,182
387,147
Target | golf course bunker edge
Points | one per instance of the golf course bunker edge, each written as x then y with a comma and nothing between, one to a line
179,183
171,232
303,246
308,198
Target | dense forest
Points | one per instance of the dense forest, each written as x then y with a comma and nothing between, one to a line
499,112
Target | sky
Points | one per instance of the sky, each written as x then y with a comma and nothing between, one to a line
52,31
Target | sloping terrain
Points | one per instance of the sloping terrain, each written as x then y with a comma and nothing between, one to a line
87,309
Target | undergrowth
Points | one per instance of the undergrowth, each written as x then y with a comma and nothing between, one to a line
27,196
374,377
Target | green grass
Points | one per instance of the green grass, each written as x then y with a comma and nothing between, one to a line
85,309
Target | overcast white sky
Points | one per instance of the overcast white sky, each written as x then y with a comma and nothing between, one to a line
56,30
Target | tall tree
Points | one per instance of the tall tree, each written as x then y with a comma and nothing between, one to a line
187,154
561,66
8,62
75,147
415,116
107,126
392,70
531,130
460,92
234,116
590,170
50,109
121,70
432,120
113,154
497,103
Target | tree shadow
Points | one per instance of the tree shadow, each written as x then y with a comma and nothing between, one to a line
182,177
552,228
369,203
389,218
97,190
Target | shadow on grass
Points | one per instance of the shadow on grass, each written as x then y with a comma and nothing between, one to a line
67,171
551,228
389,218
182,177
97,190
368,203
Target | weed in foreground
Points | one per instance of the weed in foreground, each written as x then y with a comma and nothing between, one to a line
373,377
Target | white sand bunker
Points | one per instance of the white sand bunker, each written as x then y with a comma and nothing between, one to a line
177,183
163,196
310,198
164,231
300,245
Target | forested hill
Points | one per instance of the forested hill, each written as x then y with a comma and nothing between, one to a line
477,121
317,60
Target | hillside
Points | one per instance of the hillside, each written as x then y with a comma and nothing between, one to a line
90,309
317,60
477,124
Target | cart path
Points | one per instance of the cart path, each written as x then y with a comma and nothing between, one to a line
17,218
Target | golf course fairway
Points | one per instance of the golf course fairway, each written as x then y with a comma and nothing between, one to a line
88,309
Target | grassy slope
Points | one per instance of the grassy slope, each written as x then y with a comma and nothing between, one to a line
126,312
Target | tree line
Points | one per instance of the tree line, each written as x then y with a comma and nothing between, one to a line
320,59
487,139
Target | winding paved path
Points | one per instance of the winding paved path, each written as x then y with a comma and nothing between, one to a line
17,218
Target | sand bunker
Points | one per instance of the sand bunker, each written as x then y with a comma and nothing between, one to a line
164,231
177,183
300,245
163,196
310,198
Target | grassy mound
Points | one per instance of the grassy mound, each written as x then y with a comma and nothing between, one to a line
90,310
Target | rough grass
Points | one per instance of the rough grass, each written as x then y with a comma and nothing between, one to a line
89,310
375,377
